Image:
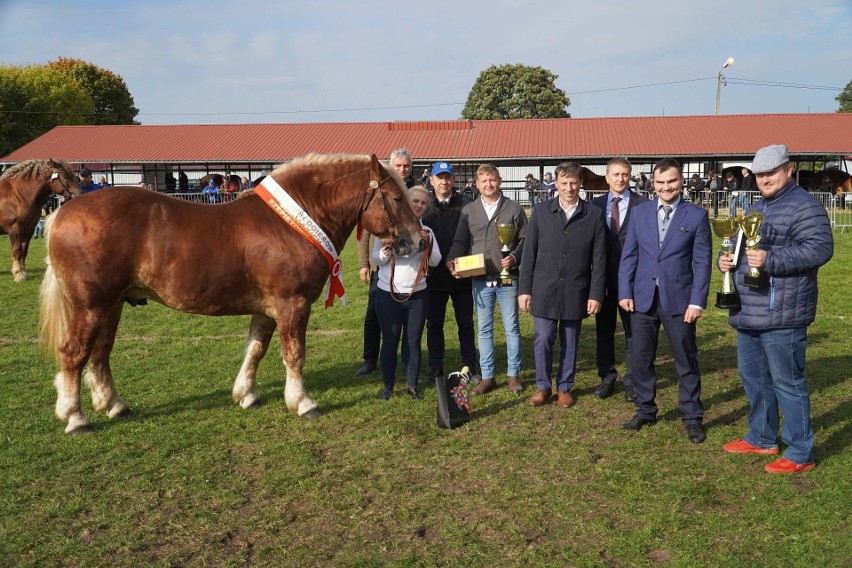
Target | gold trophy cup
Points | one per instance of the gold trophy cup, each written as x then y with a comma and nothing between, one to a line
726,227
751,228
506,234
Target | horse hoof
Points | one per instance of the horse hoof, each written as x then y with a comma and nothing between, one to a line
256,403
80,430
312,413
123,413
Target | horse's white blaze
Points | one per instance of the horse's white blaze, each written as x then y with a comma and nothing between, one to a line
244,386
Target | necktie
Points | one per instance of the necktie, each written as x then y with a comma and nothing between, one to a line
614,224
442,205
667,217
661,229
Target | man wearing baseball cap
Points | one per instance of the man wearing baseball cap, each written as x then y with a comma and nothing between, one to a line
442,216
86,182
795,240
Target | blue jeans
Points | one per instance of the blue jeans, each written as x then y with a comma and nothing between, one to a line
772,365
484,298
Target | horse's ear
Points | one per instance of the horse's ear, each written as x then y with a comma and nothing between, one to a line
375,166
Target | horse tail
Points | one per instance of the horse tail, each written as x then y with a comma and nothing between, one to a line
55,313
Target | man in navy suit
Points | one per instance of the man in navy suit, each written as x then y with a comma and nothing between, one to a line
663,279
616,208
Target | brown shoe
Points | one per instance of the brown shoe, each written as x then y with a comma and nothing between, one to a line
564,399
515,385
484,386
540,397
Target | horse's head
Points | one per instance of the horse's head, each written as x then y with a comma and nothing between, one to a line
387,213
62,180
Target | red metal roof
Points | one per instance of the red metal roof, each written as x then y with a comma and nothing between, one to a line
474,140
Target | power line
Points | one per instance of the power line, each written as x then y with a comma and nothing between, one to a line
730,80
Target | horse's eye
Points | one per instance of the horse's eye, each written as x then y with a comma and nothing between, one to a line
397,199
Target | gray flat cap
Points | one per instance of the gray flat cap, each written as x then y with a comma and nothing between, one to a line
768,158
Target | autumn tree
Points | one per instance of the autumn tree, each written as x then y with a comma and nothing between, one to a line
112,102
845,99
33,100
516,91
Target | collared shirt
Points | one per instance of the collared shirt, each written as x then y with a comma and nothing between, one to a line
570,210
622,207
490,209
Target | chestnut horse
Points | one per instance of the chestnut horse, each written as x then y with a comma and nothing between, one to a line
129,244
24,189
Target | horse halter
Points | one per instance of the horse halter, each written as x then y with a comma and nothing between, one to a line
66,191
374,187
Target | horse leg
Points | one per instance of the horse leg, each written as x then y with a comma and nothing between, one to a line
260,332
74,353
99,376
16,238
292,323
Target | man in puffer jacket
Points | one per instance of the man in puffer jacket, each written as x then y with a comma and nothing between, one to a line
795,240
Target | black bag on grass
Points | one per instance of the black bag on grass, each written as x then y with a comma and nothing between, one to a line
453,399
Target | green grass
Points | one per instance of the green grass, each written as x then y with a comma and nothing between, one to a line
190,479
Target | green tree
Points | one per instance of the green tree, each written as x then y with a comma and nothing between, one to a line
515,91
113,103
845,99
33,100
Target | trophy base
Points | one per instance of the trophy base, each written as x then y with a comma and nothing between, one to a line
506,281
728,300
756,281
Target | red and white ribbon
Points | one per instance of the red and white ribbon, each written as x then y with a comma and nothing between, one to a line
286,208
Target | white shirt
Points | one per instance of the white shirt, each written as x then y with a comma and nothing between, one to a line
406,267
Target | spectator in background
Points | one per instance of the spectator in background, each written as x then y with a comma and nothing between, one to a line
171,182
533,188
183,182
747,187
548,187
695,187
102,183
730,187
245,184
211,191
714,186
86,182
642,182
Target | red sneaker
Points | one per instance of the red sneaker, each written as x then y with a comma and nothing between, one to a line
743,447
785,466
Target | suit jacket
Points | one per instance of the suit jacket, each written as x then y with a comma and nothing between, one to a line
614,244
680,266
564,261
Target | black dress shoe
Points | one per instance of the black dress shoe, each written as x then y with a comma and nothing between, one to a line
385,394
606,389
637,422
629,393
434,373
365,369
695,433
415,393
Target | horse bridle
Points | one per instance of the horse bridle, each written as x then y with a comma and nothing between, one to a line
373,188
66,192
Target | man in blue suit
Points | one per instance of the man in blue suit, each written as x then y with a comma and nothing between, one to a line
664,278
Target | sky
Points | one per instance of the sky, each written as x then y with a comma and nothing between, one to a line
216,62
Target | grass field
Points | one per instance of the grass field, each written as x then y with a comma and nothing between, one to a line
190,479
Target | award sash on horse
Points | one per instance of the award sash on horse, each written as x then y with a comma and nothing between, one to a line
287,208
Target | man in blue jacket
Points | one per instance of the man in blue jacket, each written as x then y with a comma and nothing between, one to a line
771,324
663,279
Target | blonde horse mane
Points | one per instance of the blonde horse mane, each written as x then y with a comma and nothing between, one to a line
31,168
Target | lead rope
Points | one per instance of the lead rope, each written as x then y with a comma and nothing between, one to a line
422,270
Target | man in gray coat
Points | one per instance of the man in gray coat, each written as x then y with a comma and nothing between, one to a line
477,233
795,240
